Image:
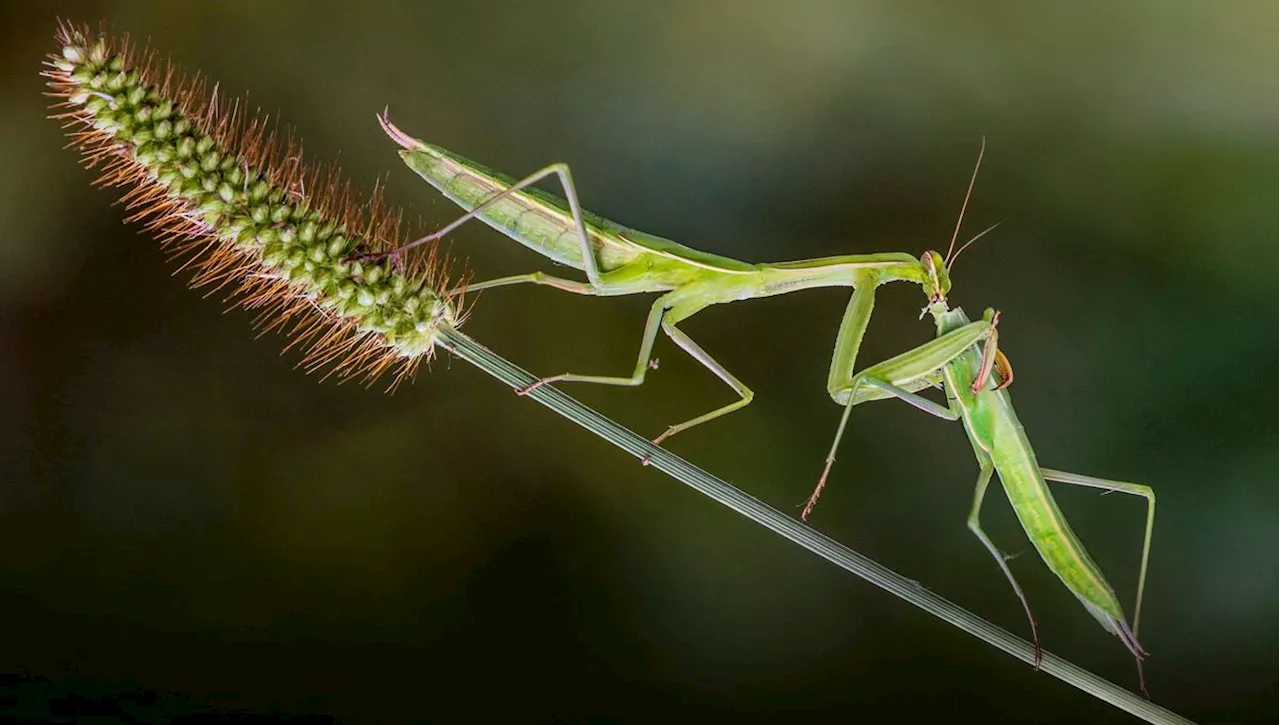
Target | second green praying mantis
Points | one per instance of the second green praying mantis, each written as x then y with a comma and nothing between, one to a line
964,359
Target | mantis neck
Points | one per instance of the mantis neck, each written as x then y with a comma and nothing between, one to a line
947,319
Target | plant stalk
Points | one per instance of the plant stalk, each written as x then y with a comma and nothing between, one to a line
726,494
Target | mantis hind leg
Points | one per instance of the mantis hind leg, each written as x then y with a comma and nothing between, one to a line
975,525
589,262
560,283
1130,638
1135,489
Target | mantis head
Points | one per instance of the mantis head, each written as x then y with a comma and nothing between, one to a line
937,281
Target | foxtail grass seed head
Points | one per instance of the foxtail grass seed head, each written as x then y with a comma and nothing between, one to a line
231,197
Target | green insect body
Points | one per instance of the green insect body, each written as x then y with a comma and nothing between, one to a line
1000,441
963,359
620,261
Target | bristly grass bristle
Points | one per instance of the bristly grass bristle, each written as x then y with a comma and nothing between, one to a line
231,197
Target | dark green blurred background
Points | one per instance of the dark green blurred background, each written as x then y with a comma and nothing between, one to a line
183,512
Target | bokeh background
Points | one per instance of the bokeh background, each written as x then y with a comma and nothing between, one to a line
187,522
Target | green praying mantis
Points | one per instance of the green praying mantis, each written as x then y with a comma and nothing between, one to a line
964,359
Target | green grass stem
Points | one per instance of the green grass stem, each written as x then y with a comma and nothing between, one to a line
792,529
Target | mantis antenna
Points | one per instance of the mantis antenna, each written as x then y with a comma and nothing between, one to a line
963,207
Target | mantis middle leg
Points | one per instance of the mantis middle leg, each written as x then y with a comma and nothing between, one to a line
666,312
643,363
1002,559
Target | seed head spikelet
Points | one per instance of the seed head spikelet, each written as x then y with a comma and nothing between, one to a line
229,195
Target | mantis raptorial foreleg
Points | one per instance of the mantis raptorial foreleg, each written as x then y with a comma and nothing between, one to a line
1135,489
899,376
990,347
916,368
